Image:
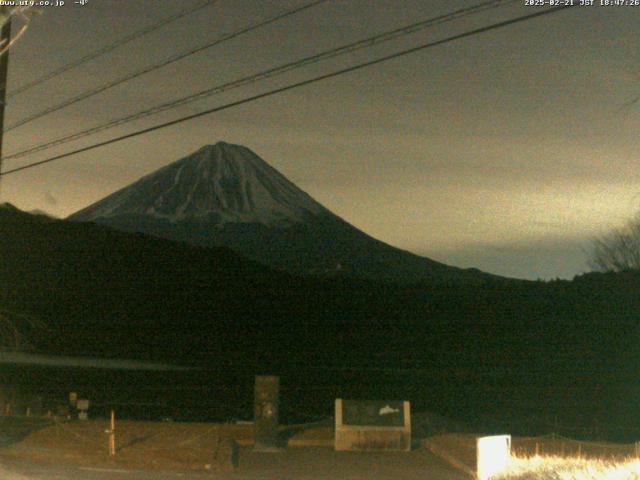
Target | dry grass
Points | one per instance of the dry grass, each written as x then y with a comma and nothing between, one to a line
545,458
140,445
165,446
570,468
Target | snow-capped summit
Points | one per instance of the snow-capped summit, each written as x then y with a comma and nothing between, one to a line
225,195
221,183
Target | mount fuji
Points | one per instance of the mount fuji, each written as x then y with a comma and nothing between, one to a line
226,195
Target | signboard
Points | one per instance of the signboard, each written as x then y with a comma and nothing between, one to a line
372,425
372,413
493,455
266,413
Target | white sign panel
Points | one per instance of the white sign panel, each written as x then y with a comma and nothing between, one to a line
372,425
493,455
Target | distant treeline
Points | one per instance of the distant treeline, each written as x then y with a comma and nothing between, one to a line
567,347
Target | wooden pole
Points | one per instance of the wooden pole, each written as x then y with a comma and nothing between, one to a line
112,434
5,38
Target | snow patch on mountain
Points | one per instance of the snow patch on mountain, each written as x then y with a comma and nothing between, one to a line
219,183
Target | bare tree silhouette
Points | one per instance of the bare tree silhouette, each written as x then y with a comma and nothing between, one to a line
618,250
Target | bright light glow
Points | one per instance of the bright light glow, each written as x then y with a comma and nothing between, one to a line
493,455
562,468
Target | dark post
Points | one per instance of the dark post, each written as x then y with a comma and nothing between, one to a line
5,38
266,409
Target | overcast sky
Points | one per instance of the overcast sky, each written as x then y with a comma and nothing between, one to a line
506,151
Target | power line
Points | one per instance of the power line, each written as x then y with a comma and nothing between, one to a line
292,86
110,47
5,40
161,64
269,73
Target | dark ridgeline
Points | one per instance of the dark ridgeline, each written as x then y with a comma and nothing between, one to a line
226,195
516,354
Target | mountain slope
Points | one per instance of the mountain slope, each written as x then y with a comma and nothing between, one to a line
225,195
515,348
218,184
91,283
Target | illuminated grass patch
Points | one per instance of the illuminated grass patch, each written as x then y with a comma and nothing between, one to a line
570,468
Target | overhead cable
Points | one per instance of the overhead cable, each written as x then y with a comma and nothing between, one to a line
167,61
292,86
269,73
108,48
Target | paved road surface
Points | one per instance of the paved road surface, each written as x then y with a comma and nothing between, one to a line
294,464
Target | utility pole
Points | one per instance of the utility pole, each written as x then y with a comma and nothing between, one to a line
5,38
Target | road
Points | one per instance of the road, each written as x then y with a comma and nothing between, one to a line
294,464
